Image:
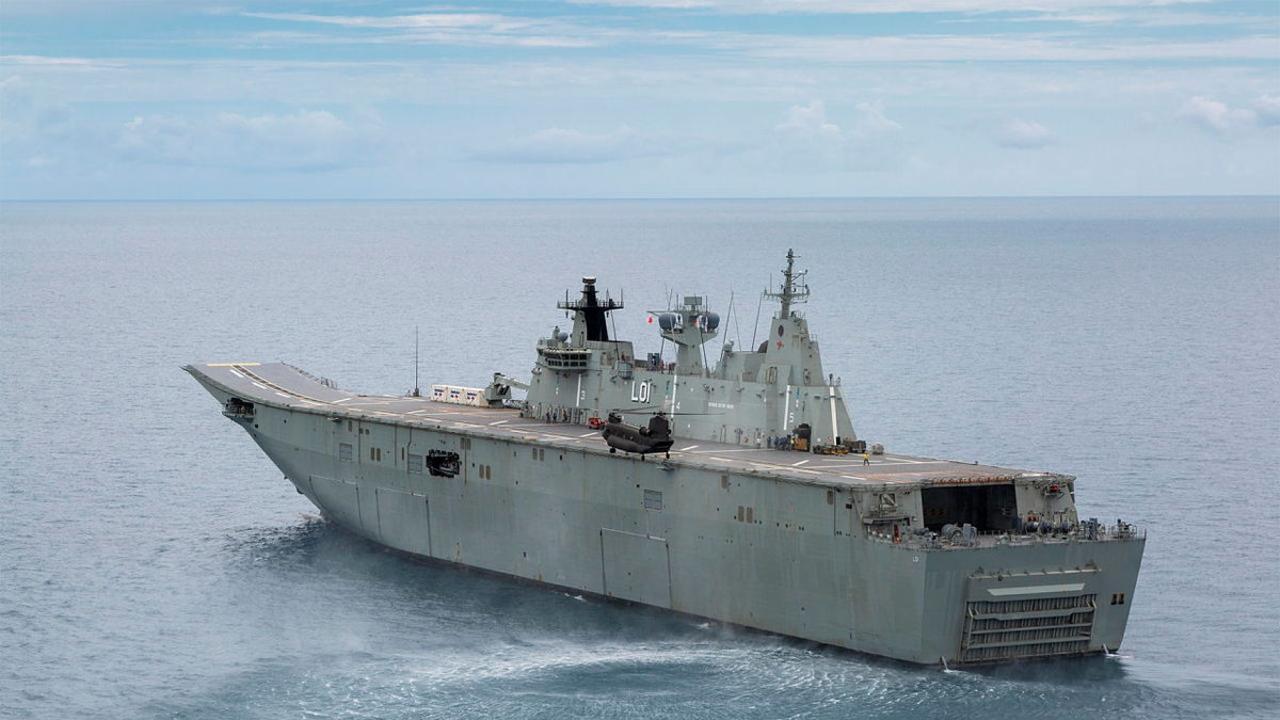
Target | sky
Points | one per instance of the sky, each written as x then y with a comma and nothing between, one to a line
150,99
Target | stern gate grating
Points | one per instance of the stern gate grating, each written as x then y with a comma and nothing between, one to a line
1040,627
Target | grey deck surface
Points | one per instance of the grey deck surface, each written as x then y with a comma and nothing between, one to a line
283,385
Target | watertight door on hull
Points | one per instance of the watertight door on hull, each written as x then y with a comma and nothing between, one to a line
636,567
404,521
339,500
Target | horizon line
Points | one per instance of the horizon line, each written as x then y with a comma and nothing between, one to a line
641,198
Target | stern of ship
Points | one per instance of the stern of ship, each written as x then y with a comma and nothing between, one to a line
997,599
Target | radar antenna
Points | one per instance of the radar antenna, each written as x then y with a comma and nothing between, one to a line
794,289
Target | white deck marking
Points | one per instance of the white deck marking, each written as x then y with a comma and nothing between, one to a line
913,462
799,463
342,400
239,364
499,422
234,372
283,395
854,477
726,450
593,432
883,464
258,385
786,468
686,449
417,412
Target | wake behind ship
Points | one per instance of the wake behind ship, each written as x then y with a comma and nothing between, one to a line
737,491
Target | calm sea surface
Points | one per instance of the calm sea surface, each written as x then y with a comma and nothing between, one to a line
154,564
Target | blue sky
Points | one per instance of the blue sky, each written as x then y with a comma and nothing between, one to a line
119,99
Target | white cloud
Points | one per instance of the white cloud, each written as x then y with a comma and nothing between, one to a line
423,20
48,60
1132,15
446,28
810,120
1220,118
807,139
1267,108
1023,134
994,48
876,6
308,140
570,146
490,29
35,131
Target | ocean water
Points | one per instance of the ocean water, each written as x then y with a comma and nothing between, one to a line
153,563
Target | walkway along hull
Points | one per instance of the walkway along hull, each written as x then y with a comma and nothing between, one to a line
739,545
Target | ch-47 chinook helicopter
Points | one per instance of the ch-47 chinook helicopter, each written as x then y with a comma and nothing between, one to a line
655,438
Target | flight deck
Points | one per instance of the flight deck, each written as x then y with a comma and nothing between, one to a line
286,386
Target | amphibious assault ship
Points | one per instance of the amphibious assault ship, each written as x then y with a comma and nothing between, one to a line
763,508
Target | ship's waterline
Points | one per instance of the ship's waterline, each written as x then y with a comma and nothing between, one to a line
918,559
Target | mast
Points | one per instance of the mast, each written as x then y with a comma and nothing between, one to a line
794,289
590,320
416,364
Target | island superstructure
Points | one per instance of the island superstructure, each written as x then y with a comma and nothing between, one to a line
768,511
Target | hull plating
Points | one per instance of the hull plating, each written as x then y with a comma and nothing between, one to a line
739,548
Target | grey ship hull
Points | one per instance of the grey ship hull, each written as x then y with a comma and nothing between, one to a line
739,536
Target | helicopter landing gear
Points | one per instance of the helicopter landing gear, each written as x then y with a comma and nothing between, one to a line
613,450
668,456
